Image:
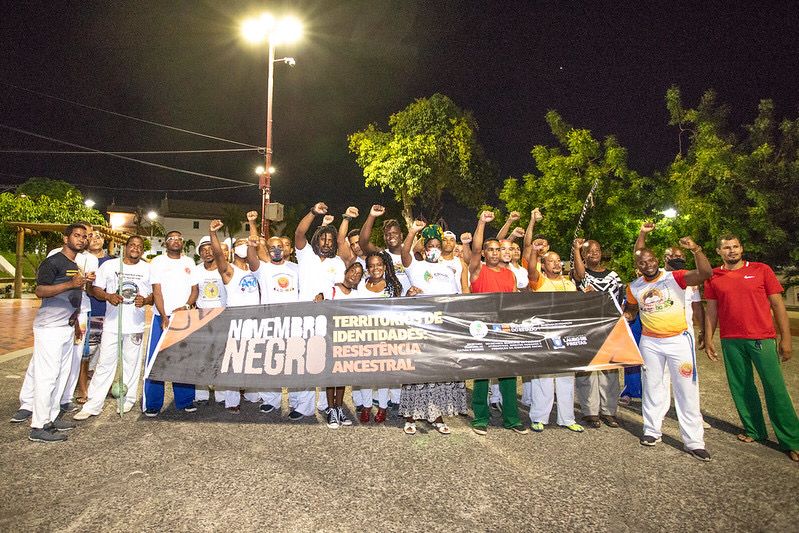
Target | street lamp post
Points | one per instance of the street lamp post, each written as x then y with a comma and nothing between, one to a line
275,32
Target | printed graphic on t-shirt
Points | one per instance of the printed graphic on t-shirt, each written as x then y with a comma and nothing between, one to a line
128,291
282,283
248,284
656,299
210,290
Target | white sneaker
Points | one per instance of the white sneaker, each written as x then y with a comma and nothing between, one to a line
126,409
82,415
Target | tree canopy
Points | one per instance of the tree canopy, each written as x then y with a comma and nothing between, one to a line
431,147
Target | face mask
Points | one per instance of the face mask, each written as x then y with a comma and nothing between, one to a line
276,254
433,254
676,263
241,251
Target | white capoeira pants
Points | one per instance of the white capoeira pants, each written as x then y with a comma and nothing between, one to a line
49,368
273,397
598,392
676,353
77,355
106,370
26,391
302,401
233,397
203,394
367,397
527,392
544,390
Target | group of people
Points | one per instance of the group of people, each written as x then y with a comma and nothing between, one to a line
82,288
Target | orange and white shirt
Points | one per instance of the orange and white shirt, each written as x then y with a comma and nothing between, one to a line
661,303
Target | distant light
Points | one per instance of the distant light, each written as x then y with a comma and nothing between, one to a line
23,195
152,215
88,202
271,170
288,30
259,170
670,213
117,220
258,29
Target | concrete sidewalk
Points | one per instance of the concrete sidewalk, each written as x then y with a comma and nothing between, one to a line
212,470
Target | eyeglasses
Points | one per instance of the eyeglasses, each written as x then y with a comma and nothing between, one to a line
174,239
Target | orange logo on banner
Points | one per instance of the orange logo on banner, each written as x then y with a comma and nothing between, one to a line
619,348
183,323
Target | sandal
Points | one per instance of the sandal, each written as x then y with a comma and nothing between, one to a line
410,428
442,428
743,437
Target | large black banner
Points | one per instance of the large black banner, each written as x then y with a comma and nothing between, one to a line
394,341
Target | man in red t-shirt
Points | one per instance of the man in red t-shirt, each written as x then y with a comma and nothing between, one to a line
741,297
491,276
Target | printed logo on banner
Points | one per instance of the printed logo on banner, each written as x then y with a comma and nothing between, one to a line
478,329
557,343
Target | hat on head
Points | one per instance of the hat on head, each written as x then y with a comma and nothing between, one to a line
203,241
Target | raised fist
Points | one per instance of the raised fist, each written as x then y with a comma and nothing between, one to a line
647,227
253,241
536,214
351,212
320,209
215,225
327,220
486,216
417,226
518,232
578,242
688,243
538,245
514,216
466,238
252,216
377,211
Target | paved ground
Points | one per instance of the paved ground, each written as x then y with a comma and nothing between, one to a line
212,471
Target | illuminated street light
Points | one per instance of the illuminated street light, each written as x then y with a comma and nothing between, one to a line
670,213
152,215
257,30
88,202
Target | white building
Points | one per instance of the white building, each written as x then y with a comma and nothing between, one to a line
190,218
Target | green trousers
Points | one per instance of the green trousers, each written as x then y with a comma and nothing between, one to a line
739,354
510,409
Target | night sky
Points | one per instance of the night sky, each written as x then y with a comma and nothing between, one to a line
604,65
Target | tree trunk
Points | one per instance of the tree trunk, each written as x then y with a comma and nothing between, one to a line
407,209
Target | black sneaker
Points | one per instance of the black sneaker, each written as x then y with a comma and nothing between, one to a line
21,416
151,412
392,405
191,408
266,408
332,419
69,407
699,453
60,425
648,440
358,409
295,415
45,435
495,406
202,403
342,418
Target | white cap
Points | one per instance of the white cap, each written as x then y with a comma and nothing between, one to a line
203,241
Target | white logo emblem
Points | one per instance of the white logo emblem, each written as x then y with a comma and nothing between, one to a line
478,329
748,277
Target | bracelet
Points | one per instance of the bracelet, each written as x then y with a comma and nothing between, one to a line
697,249
347,217
187,307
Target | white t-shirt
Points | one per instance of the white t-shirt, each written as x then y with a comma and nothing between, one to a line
316,275
521,276
87,263
399,270
279,283
456,265
433,278
691,295
242,289
135,281
212,292
335,293
175,278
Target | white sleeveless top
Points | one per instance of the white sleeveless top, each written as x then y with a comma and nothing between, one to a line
242,289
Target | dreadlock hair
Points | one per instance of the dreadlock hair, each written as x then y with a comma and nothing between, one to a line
321,230
393,285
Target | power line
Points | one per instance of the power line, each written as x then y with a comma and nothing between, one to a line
150,163
106,152
60,99
162,190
